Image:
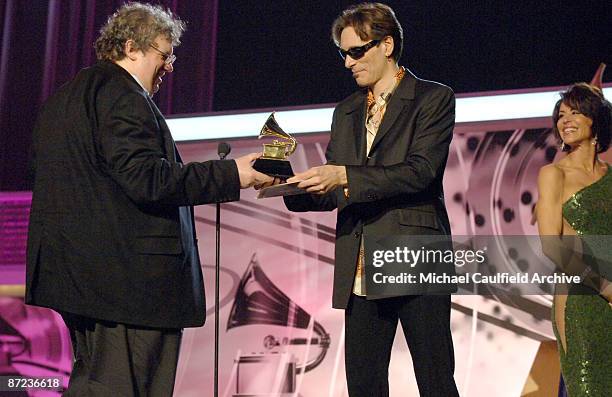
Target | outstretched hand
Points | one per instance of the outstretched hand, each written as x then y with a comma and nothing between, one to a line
248,176
322,179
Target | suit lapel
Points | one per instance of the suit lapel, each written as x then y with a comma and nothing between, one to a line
357,113
169,145
402,98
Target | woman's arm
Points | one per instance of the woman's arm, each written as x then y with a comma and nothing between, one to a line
548,210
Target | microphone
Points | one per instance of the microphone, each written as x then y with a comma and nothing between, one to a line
223,150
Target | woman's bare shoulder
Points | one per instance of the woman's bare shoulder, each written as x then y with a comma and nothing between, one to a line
551,174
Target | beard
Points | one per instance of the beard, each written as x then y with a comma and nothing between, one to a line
157,80
156,84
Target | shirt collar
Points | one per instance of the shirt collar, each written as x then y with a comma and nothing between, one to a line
384,97
140,83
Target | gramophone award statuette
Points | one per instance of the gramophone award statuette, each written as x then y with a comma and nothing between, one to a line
274,161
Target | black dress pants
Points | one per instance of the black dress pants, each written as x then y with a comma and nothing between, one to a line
120,360
370,329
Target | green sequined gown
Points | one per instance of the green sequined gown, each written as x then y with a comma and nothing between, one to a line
587,363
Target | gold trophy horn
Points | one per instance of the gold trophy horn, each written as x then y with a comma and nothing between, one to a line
274,161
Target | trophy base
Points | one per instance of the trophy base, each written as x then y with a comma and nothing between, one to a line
275,168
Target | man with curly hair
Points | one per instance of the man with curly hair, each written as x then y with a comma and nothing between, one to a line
111,243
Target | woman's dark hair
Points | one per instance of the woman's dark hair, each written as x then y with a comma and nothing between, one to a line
589,101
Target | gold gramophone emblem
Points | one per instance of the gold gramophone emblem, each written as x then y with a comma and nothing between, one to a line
277,150
274,161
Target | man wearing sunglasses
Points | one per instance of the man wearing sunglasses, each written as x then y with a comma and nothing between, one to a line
385,162
111,242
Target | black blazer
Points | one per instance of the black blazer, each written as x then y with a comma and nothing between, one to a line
397,189
111,232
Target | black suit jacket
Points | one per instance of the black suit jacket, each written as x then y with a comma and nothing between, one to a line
111,231
395,190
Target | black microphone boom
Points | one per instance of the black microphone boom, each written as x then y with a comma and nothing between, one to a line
223,150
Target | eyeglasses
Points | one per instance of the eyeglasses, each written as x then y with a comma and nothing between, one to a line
168,58
358,52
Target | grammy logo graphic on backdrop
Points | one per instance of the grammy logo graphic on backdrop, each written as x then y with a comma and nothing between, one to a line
274,161
33,342
259,301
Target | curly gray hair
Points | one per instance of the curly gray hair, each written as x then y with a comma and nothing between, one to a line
139,22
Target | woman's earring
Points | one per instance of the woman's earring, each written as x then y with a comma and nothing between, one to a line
562,147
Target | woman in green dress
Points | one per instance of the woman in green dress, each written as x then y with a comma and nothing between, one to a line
575,199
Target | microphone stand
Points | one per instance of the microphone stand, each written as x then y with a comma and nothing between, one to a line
223,151
217,272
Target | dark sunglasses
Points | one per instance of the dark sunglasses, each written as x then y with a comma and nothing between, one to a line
358,52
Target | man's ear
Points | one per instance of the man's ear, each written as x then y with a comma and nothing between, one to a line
389,45
130,50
